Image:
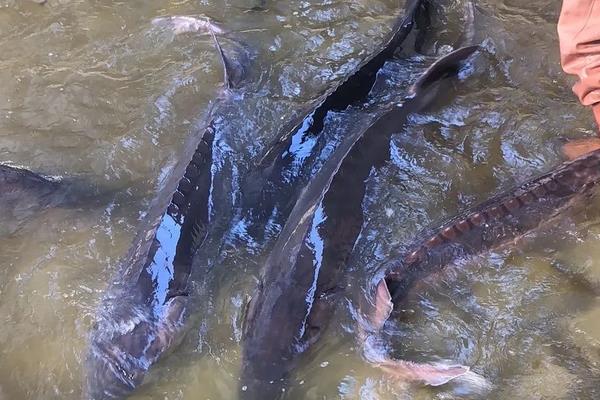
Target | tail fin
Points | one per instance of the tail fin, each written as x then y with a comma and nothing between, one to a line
430,374
233,70
443,67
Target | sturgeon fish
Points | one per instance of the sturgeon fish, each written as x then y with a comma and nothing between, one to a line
24,193
296,292
483,227
145,312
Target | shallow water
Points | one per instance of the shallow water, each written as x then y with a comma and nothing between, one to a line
95,91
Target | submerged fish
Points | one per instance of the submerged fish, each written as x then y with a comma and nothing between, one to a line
24,193
490,224
298,287
145,312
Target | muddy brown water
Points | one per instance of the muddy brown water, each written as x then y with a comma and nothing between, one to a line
94,90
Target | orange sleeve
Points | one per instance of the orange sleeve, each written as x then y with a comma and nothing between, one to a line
579,34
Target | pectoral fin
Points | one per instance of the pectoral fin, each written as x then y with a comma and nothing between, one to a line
383,306
429,374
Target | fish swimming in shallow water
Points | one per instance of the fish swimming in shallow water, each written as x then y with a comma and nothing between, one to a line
297,291
499,220
145,311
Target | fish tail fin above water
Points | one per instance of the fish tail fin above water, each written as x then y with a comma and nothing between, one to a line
443,67
232,73
234,70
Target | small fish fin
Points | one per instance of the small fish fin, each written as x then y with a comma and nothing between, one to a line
429,374
443,67
383,306
234,71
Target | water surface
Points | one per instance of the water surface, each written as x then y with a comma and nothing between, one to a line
95,91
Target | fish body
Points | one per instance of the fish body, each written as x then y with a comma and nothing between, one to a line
494,222
24,194
23,188
498,220
144,313
299,285
275,325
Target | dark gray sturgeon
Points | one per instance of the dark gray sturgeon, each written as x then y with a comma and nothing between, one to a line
145,312
488,225
299,284
146,309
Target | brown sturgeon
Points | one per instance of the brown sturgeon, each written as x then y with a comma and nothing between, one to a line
296,293
499,220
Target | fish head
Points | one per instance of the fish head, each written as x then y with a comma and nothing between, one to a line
127,341
266,368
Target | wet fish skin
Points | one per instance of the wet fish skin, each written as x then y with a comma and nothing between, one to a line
272,338
20,184
133,342
141,318
492,223
280,323
352,90
145,312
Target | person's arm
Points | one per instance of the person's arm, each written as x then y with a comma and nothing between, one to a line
579,35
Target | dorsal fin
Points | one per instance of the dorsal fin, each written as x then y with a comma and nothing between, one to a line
226,63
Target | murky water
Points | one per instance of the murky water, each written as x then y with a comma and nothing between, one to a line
95,91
